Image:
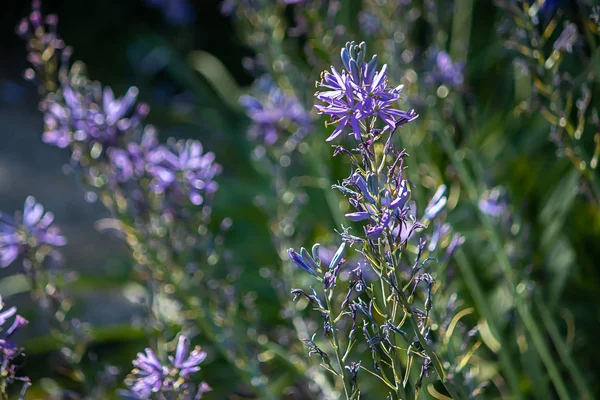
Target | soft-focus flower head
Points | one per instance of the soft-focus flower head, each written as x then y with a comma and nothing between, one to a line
32,231
182,170
494,202
9,350
151,376
357,94
442,70
130,163
273,112
90,115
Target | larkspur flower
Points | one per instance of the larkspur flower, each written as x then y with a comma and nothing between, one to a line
183,170
151,376
34,230
272,110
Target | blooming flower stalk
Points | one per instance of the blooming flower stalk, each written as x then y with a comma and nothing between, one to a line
375,314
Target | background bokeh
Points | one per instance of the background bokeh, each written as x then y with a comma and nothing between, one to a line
191,72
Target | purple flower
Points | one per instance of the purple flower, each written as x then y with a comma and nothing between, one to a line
90,114
369,22
130,162
493,203
273,111
186,362
183,170
151,376
444,71
9,350
358,93
33,231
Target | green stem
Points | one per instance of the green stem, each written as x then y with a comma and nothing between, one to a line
338,354
426,347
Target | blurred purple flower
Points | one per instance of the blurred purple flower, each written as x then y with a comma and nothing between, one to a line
567,39
493,203
33,231
369,22
131,162
183,170
273,111
151,376
444,71
90,114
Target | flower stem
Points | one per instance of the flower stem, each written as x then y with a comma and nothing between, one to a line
338,354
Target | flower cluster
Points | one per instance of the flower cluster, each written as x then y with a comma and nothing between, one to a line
380,196
32,231
92,115
9,350
151,376
272,110
105,134
359,93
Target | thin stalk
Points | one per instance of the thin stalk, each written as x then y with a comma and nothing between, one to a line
400,390
338,355
427,348
505,267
